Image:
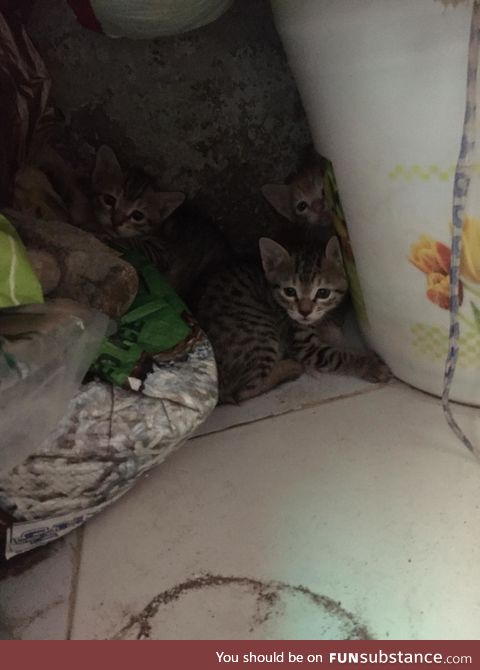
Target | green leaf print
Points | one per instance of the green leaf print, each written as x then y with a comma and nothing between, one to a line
476,314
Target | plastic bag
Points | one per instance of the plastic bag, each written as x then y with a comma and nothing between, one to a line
18,283
45,351
156,322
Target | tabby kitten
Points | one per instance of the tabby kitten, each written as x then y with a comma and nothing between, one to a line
263,322
131,211
128,204
301,201
302,198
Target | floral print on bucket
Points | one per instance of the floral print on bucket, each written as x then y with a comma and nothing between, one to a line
432,257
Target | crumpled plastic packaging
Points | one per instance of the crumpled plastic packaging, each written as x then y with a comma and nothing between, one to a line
19,284
45,351
107,440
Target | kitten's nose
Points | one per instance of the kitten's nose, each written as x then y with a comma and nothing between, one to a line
305,308
117,219
318,206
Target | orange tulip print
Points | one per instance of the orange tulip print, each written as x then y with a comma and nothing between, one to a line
438,289
428,255
433,259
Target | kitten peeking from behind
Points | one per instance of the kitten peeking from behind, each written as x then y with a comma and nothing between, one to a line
131,210
305,215
128,204
301,199
263,320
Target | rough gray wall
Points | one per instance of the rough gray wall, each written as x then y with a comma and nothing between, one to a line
213,112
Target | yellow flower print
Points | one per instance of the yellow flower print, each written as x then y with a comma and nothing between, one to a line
429,255
470,257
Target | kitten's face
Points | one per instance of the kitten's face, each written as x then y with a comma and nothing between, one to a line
302,198
307,285
308,196
128,204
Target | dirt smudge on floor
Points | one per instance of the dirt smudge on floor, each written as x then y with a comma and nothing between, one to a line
268,596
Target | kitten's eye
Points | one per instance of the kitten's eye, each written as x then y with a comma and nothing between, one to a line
137,215
301,206
322,293
290,292
109,200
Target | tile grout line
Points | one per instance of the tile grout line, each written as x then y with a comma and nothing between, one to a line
326,401
72,599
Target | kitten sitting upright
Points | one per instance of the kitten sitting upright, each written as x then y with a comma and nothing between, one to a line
133,212
263,323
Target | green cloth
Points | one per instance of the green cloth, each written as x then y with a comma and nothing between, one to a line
19,284
153,324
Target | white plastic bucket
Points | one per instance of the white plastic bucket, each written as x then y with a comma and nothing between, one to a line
383,85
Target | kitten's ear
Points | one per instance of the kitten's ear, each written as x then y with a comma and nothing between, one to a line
274,257
333,251
106,165
167,203
279,196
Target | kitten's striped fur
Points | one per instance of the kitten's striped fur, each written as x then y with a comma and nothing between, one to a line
263,324
131,211
301,202
301,199
128,204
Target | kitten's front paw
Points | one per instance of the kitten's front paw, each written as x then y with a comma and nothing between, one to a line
375,370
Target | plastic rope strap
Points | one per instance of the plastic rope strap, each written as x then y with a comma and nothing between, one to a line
460,192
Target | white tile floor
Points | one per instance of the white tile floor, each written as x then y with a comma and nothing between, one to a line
356,512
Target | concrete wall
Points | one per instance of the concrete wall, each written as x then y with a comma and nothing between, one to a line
213,112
